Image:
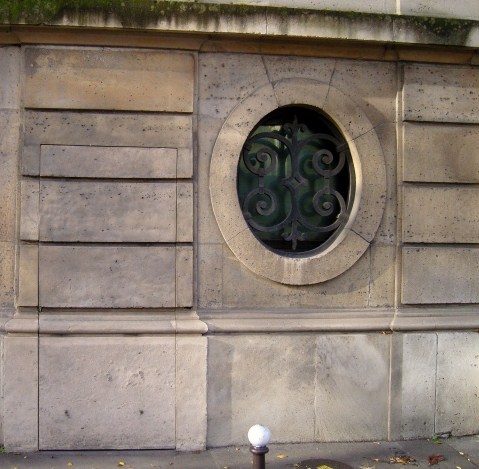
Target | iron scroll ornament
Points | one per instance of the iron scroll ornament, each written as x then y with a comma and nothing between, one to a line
295,180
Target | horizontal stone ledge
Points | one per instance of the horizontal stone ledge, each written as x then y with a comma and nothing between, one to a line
99,323
420,319
258,20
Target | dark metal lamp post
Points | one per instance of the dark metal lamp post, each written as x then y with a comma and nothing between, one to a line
259,436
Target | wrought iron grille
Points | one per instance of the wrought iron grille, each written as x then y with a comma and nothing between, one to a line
295,180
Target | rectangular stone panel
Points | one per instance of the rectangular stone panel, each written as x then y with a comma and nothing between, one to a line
444,93
184,276
107,276
20,393
104,129
109,79
455,214
457,408
7,268
440,275
351,387
441,153
108,162
107,392
30,209
413,385
10,58
28,275
184,221
93,211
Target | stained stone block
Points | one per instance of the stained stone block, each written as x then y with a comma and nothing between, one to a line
102,129
10,122
191,414
184,276
440,275
457,383
107,276
108,162
441,93
107,211
109,79
465,9
432,153
28,275
30,209
260,378
413,385
455,209
10,59
7,282
351,387
107,392
20,393
184,210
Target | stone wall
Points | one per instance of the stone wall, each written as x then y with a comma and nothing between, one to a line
135,312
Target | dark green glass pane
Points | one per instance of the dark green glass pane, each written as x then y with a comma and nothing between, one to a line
294,180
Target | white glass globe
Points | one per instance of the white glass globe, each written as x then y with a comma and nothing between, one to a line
259,436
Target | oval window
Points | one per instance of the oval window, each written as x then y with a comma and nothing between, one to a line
295,180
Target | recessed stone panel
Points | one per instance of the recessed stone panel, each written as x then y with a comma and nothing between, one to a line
441,93
104,129
440,275
20,393
108,162
260,378
455,214
109,79
107,392
441,153
413,385
92,211
457,408
107,276
351,387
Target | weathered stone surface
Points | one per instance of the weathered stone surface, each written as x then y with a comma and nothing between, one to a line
109,79
227,79
457,409
20,393
10,121
210,275
107,211
413,385
108,162
258,378
441,93
10,78
337,379
191,386
455,214
30,209
432,153
107,276
184,211
107,392
184,276
7,282
440,275
372,85
28,275
351,387
466,9
184,167
383,275
101,129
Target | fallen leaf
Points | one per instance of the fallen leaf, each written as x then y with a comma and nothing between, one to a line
281,456
461,453
406,459
435,459
458,467
324,466
69,464
366,466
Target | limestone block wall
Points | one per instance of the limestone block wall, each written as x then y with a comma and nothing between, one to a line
130,320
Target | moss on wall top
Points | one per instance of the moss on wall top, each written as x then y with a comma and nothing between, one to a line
143,14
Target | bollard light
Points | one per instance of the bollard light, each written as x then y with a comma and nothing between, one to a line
259,436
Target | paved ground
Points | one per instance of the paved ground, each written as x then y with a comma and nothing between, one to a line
458,453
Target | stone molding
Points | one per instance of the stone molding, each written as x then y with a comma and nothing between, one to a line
370,178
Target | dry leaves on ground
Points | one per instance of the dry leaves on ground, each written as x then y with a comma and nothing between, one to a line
435,459
404,460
